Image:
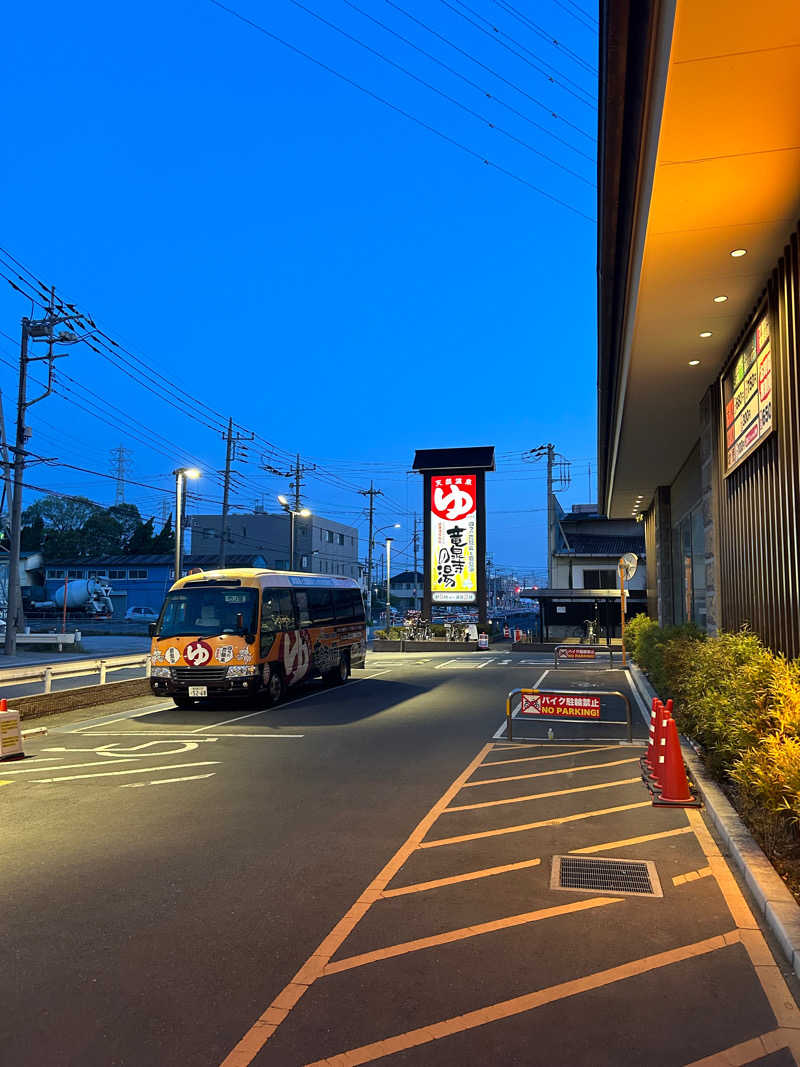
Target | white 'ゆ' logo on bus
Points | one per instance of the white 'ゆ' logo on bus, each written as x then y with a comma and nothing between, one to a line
456,503
198,653
296,656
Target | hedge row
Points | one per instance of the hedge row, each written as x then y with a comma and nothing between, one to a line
741,703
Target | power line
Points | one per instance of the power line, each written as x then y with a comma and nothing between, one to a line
434,89
500,77
399,110
494,35
585,19
525,20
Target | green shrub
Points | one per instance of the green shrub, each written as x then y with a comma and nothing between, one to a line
741,702
634,629
438,629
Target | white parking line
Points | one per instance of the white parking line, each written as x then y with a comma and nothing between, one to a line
70,766
485,663
502,729
135,770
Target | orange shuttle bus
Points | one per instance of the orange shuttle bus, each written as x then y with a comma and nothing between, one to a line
250,631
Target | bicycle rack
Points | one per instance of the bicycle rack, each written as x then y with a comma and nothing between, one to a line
521,693
562,652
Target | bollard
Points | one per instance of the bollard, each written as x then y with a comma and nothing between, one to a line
48,679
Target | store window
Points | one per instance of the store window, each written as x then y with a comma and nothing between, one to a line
689,569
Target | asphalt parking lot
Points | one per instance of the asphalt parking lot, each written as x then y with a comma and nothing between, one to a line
367,873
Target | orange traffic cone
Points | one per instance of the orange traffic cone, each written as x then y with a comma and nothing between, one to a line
674,786
647,759
659,746
3,704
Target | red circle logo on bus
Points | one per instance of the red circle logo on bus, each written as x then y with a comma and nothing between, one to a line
198,653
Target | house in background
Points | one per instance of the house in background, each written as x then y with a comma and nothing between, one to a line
406,589
588,547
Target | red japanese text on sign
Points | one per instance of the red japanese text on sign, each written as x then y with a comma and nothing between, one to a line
560,705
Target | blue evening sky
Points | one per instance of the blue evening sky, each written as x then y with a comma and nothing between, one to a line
269,240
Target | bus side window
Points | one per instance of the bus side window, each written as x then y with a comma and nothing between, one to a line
343,605
303,616
358,605
287,616
320,603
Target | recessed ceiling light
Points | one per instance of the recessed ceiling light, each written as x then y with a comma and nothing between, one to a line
720,299
706,333
739,252
693,362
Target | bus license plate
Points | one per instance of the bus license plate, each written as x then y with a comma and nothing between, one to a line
198,691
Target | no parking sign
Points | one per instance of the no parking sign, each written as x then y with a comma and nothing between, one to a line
560,705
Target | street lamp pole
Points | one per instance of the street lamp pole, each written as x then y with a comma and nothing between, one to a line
181,474
388,581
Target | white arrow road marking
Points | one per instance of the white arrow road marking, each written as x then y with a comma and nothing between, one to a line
135,770
167,781
134,751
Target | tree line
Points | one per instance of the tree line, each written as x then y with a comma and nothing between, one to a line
77,528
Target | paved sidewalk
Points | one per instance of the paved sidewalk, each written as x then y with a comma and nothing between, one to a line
461,952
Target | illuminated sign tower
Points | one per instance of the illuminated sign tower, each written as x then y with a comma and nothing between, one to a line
454,510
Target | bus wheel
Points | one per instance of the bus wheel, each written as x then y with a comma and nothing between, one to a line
342,672
183,702
276,687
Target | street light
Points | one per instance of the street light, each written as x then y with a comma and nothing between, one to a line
388,574
181,474
304,513
371,547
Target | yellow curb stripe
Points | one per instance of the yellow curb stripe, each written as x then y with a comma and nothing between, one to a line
746,1052
532,825
608,845
517,1005
246,1050
421,887
543,796
466,932
547,774
772,981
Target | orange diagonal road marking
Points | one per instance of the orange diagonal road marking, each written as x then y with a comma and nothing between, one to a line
517,1005
467,931
268,1022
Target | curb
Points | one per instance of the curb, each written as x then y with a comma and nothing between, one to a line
779,908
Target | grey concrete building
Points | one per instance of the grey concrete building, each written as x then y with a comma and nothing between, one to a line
321,545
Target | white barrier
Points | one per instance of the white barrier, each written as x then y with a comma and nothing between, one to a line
46,672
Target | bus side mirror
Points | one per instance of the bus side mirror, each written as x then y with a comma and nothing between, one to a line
151,628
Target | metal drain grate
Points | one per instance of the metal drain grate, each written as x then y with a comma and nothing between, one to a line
634,878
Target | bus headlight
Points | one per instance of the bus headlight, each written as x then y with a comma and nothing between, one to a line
242,672
159,672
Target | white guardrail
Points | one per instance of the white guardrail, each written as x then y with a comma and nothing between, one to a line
46,672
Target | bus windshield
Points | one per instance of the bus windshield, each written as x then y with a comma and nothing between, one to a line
208,612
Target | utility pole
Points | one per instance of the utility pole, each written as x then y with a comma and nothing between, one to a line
231,442
226,488
5,500
120,466
372,492
297,484
37,330
562,478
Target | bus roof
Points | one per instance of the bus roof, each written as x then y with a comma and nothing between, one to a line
258,576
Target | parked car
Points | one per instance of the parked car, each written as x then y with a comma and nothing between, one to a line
137,614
